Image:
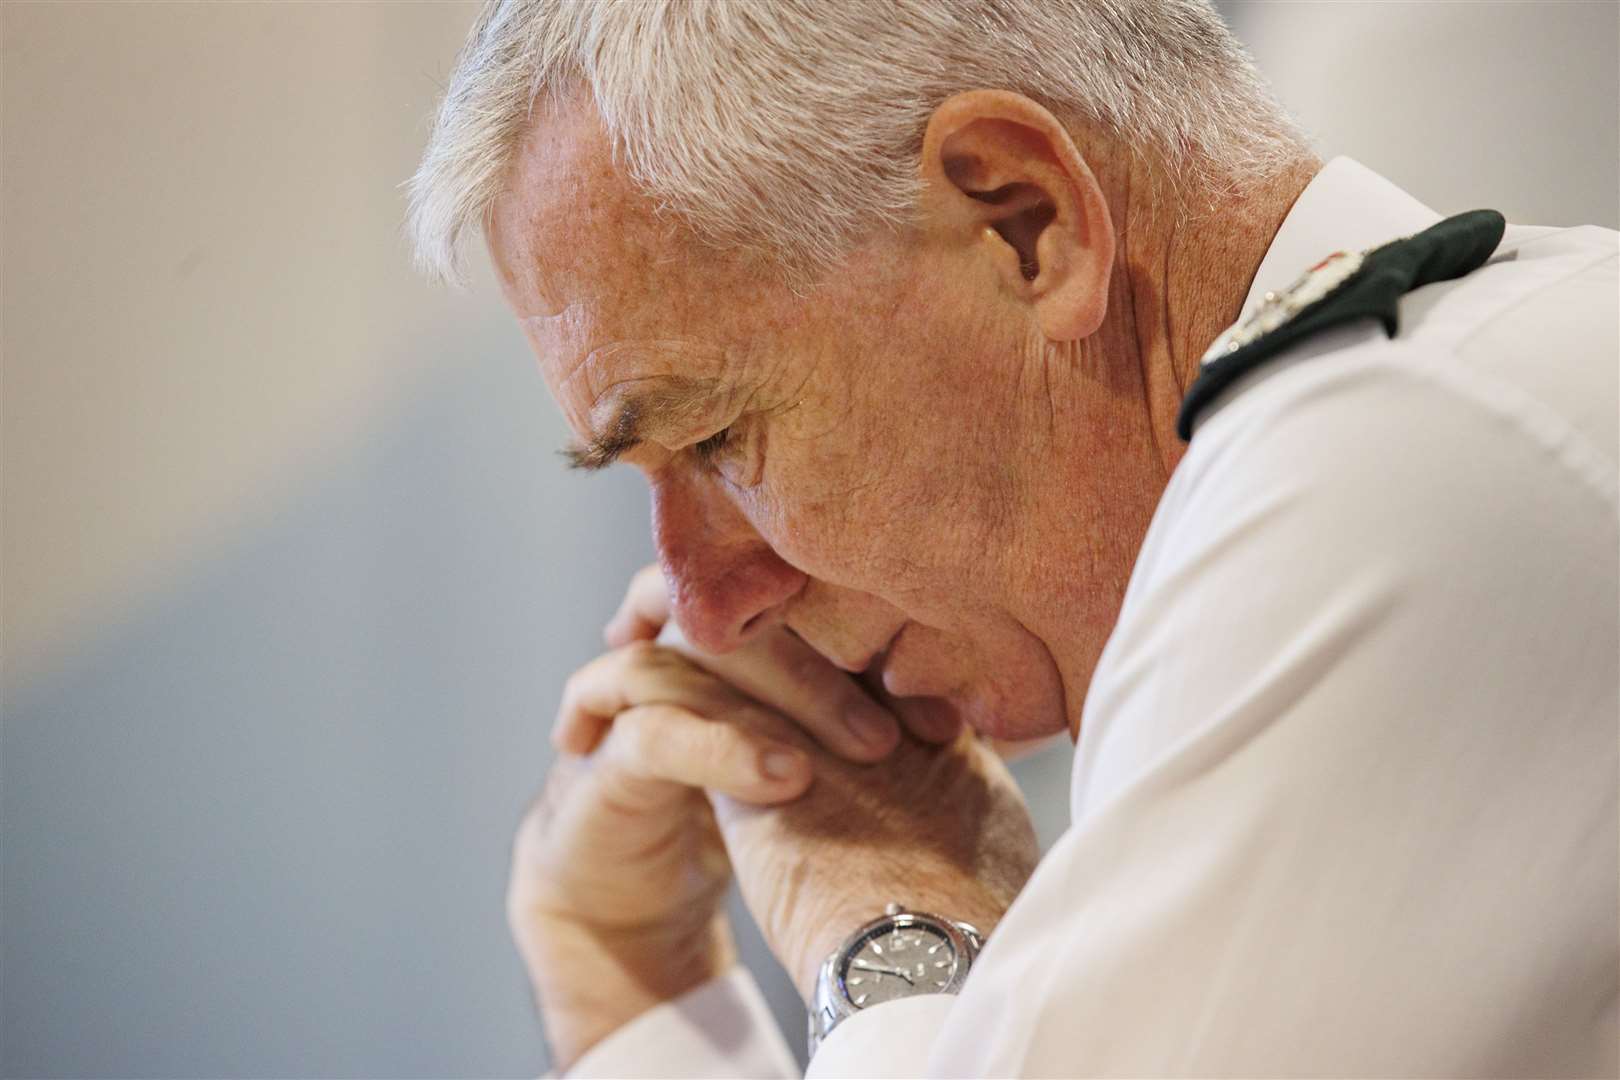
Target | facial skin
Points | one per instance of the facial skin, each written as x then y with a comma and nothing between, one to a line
939,464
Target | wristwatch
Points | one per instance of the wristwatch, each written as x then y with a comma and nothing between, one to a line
898,954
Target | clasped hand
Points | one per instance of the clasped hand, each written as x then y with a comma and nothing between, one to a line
676,770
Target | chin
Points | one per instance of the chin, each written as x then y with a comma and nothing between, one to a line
938,716
995,717
1012,695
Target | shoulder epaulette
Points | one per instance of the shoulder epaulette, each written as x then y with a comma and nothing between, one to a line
1342,287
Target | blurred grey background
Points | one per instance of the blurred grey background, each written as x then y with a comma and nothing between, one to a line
291,578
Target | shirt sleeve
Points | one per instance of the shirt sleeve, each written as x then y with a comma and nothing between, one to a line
888,1040
723,1028
1345,795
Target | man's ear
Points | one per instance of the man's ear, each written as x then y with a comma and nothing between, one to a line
1001,174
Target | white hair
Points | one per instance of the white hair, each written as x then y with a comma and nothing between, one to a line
791,128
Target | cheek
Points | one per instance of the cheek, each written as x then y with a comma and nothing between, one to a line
860,520
887,479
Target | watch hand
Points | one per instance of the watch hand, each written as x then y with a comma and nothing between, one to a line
864,966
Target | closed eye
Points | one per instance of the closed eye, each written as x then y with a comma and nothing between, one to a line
711,448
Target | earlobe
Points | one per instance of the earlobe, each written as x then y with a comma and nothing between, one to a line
1001,173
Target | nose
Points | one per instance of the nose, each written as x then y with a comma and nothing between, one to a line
724,579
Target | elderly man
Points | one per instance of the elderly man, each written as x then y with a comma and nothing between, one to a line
904,309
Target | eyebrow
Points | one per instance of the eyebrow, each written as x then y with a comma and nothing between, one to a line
676,400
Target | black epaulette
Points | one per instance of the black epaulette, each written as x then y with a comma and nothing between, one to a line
1342,287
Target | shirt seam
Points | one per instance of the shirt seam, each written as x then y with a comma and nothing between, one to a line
1535,422
1519,301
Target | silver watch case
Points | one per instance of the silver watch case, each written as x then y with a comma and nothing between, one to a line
832,1003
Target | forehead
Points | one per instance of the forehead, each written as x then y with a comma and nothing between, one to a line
571,233
609,293
566,217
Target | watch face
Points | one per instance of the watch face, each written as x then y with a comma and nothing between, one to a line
898,961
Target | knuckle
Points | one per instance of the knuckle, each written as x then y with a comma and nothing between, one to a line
648,577
812,672
744,714
644,654
636,742
718,744
648,659
808,669
572,685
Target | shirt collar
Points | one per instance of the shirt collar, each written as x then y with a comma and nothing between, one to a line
1345,207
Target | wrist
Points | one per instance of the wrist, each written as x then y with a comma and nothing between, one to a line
829,934
590,980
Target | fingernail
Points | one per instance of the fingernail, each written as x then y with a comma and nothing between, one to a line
870,723
781,764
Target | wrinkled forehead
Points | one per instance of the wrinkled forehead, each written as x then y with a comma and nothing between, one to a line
606,290
554,228
571,229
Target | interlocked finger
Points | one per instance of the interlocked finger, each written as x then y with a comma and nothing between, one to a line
780,670
651,746
638,674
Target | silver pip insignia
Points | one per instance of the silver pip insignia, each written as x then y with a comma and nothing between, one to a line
1275,309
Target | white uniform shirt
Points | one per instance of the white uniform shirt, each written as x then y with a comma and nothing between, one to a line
1345,795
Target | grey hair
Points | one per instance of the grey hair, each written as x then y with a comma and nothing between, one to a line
790,128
